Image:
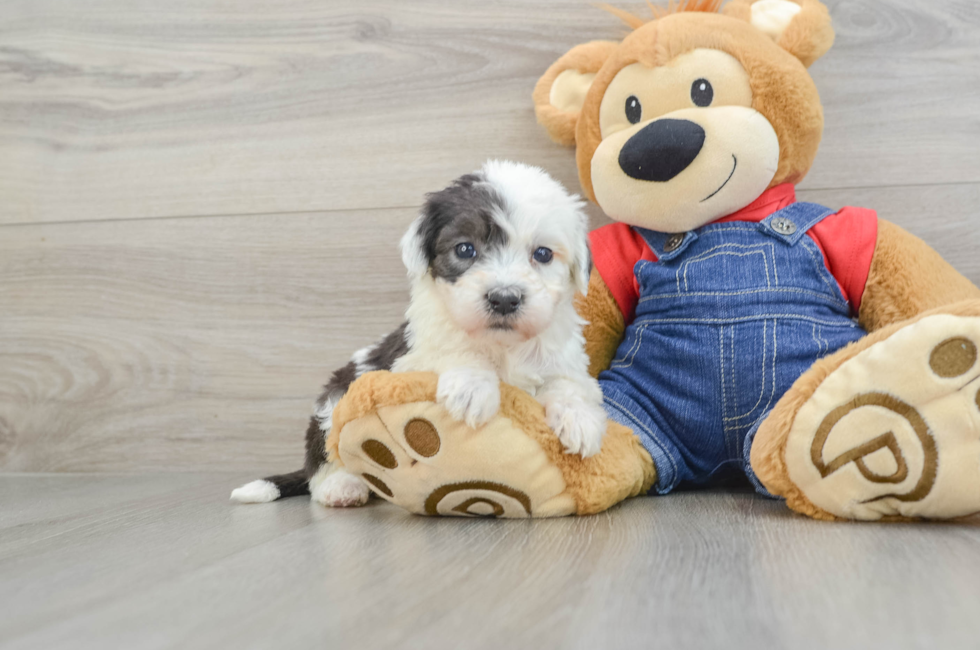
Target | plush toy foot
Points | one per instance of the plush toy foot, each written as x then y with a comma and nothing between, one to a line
389,430
893,432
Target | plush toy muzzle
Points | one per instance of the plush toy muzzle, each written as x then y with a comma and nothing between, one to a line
685,169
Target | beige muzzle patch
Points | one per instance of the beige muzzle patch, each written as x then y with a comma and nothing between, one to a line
895,431
738,159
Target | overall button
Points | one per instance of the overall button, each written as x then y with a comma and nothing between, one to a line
673,242
783,226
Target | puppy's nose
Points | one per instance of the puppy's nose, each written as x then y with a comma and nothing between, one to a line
661,150
504,300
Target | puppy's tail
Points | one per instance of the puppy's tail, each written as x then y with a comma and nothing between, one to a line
273,488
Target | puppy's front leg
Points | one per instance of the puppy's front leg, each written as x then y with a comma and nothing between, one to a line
573,409
335,487
470,394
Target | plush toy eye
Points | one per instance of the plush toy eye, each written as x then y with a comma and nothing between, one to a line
702,93
633,109
543,255
465,251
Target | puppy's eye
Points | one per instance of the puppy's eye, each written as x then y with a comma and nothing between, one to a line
633,109
543,255
465,251
702,93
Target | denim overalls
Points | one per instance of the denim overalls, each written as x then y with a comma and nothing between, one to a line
728,318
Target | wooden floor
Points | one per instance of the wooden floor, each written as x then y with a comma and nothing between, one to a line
199,209
162,561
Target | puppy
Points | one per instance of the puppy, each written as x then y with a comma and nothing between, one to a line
495,261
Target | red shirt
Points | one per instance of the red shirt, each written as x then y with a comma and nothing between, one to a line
847,240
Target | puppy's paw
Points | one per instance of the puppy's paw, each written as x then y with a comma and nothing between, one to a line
341,489
469,395
579,425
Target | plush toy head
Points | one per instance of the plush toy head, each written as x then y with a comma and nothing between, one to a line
695,113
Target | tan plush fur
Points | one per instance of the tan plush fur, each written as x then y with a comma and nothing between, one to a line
908,278
739,9
606,326
622,469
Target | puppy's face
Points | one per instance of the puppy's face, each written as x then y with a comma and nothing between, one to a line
504,247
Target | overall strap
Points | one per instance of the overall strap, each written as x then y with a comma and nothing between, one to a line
667,246
791,224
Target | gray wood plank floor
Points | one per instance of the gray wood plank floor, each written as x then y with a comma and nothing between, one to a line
199,206
158,561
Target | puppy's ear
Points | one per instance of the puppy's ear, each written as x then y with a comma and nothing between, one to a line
582,271
581,256
413,250
560,92
801,27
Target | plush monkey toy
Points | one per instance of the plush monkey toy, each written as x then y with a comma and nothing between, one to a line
828,356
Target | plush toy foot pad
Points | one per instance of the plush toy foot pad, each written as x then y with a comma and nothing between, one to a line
418,457
895,430
389,430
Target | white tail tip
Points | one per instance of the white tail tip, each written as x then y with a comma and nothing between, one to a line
260,491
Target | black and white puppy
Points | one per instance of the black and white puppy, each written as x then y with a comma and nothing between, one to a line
495,261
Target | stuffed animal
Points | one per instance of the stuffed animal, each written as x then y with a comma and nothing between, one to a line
826,355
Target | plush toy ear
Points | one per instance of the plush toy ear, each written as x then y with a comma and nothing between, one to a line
560,92
801,27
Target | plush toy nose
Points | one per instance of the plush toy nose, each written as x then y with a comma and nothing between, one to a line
661,150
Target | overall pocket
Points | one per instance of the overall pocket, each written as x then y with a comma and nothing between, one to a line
748,353
632,342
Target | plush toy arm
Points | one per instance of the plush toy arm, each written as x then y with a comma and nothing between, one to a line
606,326
907,278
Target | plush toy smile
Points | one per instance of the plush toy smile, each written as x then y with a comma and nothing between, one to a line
685,169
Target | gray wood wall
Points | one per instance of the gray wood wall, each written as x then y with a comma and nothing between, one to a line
200,201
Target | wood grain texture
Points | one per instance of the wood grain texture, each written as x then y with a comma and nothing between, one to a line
182,343
112,110
166,562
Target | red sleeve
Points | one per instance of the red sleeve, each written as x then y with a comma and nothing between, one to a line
848,241
616,249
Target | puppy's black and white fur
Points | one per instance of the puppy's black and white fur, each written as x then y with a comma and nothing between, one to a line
495,261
